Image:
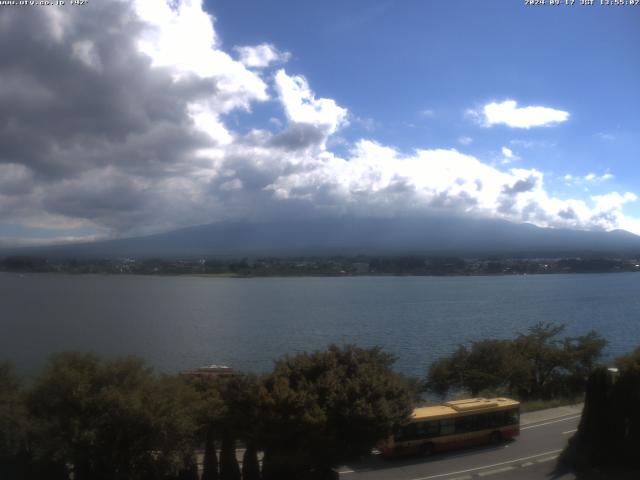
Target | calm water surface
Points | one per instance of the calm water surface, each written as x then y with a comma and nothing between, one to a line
181,322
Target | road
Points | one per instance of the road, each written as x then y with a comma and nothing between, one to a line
530,456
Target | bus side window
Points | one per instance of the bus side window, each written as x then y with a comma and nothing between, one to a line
447,426
430,429
482,421
408,432
496,419
504,416
464,424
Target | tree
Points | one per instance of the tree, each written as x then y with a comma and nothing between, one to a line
449,372
536,364
485,365
629,362
555,367
488,366
210,461
242,419
210,411
542,355
609,431
15,461
250,464
112,420
229,468
328,406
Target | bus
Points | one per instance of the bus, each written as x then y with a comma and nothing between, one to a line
454,424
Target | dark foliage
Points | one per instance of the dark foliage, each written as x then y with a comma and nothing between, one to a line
250,464
111,420
534,365
323,408
210,461
609,431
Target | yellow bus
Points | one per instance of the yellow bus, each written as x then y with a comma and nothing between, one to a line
455,424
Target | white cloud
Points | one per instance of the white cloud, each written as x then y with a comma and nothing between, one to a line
427,113
261,56
301,105
532,143
589,178
179,35
155,151
613,200
465,140
508,156
605,136
508,113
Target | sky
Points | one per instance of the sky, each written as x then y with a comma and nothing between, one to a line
127,118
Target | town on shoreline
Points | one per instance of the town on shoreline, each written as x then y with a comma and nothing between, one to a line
338,266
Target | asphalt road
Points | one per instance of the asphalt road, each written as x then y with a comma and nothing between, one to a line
532,455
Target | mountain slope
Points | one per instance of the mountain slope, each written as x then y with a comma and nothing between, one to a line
433,235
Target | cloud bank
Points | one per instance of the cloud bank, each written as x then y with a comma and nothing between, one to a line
115,118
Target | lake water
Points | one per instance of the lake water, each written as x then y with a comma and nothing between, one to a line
181,322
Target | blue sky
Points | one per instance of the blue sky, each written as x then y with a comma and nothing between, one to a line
191,112
391,62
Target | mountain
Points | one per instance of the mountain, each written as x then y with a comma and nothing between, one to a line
350,236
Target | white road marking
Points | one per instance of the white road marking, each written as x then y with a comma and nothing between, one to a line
570,431
496,471
549,423
546,459
487,466
342,472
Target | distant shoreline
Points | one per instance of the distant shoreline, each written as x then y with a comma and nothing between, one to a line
367,275
339,266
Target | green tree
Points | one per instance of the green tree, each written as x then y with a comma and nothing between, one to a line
15,459
210,412
609,431
229,468
542,355
629,362
325,407
250,464
449,372
554,366
536,364
111,420
243,420
484,365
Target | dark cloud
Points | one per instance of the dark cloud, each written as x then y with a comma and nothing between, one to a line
299,136
521,186
568,214
84,96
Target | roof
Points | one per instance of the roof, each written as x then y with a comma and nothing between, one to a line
456,407
210,371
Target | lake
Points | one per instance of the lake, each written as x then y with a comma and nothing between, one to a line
177,323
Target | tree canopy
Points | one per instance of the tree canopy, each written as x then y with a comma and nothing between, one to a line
536,364
112,419
324,407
